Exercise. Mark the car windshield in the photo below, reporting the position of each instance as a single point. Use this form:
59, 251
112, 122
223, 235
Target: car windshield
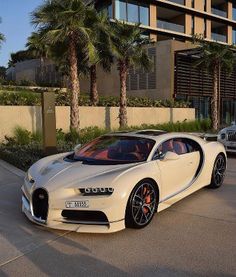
115, 149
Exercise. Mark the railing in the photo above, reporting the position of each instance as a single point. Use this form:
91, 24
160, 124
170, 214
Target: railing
181, 2
218, 37
170, 26
218, 12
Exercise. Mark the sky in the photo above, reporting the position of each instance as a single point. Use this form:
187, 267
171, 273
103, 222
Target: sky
16, 27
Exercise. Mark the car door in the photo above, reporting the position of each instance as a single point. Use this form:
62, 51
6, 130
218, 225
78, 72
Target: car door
179, 170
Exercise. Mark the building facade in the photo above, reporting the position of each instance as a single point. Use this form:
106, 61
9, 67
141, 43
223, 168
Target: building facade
171, 24
179, 19
36, 71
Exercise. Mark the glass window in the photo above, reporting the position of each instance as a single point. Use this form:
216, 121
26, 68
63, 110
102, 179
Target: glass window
234, 11
234, 36
205, 5
144, 15
105, 7
133, 12
121, 13
205, 27
192, 3
180, 146
115, 149
109, 11
192, 25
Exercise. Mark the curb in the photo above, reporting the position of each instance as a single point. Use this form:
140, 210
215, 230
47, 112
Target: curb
20, 173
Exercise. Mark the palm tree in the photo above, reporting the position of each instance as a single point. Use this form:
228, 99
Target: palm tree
103, 52
128, 49
38, 48
2, 37
215, 57
64, 21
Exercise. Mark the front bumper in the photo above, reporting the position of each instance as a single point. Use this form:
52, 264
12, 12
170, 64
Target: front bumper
56, 221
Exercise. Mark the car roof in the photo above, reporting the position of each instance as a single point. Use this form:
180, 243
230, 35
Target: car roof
158, 135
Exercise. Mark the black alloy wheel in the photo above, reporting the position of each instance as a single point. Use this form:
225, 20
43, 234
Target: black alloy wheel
142, 205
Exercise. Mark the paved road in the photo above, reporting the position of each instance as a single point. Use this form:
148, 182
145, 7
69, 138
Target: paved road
195, 237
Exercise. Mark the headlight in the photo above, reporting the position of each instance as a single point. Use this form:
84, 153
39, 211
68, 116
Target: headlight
96, 191
222, 136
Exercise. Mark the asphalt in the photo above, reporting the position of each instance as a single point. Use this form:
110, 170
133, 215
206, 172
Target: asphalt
194, 237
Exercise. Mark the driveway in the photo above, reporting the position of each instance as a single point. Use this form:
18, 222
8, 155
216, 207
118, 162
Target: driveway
195, 237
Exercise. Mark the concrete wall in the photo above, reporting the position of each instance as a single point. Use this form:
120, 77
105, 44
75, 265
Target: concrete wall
30, 117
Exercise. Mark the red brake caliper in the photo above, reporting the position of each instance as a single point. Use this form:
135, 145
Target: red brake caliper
147, 199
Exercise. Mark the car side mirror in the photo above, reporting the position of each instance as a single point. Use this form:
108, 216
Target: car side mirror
77, 147
170, 156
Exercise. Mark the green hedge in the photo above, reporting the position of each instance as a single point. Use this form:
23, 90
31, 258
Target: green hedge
30, 98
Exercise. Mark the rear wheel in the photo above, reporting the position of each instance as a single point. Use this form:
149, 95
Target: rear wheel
218, 172
142, 205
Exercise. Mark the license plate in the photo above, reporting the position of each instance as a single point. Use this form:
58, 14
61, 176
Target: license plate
77, 204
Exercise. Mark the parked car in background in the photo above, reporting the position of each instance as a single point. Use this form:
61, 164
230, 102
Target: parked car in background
227, 136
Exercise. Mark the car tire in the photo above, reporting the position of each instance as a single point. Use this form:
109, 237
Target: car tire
218, 172
142, 205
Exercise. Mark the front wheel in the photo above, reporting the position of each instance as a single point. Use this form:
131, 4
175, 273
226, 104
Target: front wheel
218, 172
141, 205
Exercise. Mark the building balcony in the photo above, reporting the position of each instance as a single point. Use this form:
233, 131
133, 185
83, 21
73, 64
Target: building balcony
219, 12
218, 37
170, 26
181, 2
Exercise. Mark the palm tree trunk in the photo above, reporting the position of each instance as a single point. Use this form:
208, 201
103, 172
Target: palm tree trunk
93, 85
214, 100
75, 86
123, 97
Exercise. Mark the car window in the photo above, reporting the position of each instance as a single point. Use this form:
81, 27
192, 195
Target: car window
179, 146
192, 145
118, 149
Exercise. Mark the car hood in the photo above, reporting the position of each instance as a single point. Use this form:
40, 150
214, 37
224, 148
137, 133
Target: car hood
59, 173
229, 128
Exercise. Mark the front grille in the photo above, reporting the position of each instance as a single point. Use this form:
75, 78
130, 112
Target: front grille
231, 135
85, 216
231, 147
40, 203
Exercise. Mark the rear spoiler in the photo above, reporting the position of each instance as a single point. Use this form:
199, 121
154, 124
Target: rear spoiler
205, 136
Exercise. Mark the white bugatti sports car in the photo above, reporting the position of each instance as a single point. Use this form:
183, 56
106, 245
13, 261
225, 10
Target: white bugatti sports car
120, 180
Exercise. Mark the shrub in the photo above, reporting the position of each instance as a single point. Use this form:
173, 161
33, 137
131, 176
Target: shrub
22, 136
20, 96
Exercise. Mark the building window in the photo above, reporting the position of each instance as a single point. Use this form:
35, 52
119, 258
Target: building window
192, 4
192, 25
205, 28
121, 12
132, 11
205, 5
105, 7
234, 36
234, 11
144, 15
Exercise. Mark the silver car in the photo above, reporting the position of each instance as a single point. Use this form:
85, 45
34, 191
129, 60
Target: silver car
227, 136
